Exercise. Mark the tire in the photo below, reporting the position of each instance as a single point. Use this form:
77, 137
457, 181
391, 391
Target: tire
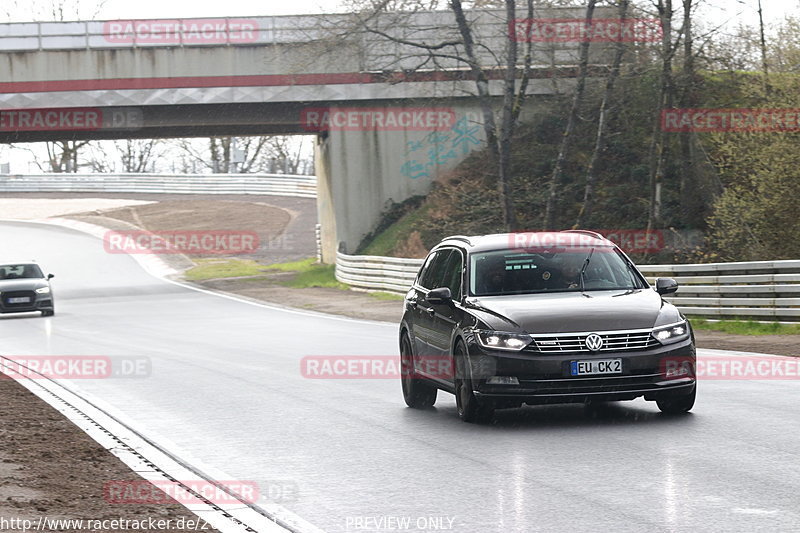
416, 392
677, 406
48, 312
470, 408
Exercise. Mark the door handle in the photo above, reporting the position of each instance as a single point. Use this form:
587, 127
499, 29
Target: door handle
431, 311
412, 304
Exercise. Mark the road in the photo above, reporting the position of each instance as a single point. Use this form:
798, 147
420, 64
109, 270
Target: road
226, 389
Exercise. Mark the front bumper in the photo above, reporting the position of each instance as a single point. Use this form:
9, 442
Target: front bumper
37, 302
546, 378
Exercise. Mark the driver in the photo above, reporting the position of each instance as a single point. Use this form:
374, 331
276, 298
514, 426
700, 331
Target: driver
571, 270
494, 275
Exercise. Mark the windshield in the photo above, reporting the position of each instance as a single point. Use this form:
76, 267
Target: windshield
20, 271
513, 272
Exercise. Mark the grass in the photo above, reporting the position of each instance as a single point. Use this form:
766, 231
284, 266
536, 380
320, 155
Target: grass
293, 266
380, 295
308, 273
385, 242
750, 327
315, 275
223, 268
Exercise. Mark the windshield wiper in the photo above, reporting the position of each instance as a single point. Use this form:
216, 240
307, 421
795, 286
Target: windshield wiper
586, 264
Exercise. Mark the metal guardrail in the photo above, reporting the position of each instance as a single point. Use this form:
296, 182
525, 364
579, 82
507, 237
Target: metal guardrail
758, 290
754, 290
371, 272
269, 184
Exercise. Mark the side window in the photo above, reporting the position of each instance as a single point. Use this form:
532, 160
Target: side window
453, 271
433, 273
426, 268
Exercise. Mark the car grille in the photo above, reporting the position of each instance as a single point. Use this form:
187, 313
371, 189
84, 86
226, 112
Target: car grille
617, 341
6, 296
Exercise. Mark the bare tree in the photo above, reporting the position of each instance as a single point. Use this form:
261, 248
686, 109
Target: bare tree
763, 44
572, 119
18, 10
659, 148
62, 155
274, 154
460, 45
602, 124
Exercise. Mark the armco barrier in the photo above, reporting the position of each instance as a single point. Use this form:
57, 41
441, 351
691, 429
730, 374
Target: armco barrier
762, 290
371, 272
271, 184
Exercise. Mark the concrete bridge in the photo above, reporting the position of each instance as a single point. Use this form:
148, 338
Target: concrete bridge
388, 122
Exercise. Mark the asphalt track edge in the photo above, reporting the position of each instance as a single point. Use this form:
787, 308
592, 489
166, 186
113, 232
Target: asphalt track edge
158, 461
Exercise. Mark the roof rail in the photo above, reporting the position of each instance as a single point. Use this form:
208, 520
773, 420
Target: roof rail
584, 232
457, 238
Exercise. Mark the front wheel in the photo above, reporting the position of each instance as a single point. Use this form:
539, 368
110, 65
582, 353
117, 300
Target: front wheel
48, 312
416, 392
470, 408
679, 405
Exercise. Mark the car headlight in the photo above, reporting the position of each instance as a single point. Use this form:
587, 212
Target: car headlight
672, 333
43, 290
499, 340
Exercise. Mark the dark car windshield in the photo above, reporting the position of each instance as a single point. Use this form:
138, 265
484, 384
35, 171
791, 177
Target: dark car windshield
20, 271
517, 272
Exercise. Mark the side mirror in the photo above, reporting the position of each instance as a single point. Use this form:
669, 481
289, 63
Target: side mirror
666, 286
51, 276
439, 296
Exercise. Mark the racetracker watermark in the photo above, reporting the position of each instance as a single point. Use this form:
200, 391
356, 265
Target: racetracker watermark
577, 30
319, 119
180, 242
629, 240
373, 367
730, 120
175, 31
96, 525
74, 367
723, 367
399, 523
635, 241
142, 491
71, 119
533, 241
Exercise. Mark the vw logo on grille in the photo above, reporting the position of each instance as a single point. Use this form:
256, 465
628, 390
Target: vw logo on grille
594, 342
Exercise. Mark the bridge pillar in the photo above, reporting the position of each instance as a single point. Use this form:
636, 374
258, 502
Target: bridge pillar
360, 171
326, 213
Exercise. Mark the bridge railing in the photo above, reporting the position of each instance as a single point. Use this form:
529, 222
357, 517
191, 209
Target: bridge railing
762, 290
151, 33
270, 184
376, 51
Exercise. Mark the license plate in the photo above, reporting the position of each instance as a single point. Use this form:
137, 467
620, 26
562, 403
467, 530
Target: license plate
20, 300
597, 366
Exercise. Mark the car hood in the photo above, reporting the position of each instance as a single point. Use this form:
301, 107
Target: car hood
572, 312
24, 284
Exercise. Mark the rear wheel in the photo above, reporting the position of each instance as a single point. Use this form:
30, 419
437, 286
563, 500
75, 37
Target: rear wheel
416, 392
470, 408
679, 405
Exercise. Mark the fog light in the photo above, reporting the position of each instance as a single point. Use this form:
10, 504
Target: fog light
502, 380
678, 370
